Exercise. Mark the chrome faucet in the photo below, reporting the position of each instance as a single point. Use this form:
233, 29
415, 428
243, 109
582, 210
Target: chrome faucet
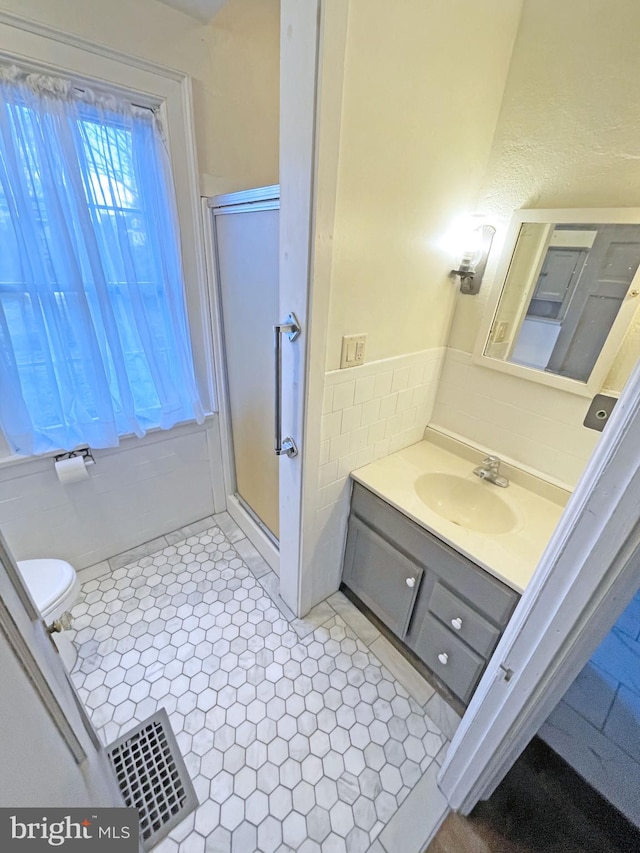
490, 471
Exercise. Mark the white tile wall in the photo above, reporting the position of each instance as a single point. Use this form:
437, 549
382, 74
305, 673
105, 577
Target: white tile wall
368, 412
371, 411
531, 424
134, 493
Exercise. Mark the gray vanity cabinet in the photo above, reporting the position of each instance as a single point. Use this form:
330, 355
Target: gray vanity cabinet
446, 609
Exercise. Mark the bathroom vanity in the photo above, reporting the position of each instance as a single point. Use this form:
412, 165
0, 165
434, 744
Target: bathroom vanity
440, 557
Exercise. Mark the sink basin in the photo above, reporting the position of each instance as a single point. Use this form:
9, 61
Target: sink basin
467, 502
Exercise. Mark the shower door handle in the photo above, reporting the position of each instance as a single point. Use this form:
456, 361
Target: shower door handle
290, 328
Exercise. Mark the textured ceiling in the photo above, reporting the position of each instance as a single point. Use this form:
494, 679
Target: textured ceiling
203, 10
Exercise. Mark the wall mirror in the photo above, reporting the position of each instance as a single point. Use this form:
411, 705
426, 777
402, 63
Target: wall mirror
565, 292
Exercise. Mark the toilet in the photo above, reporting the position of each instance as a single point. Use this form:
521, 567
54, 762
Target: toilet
55, 588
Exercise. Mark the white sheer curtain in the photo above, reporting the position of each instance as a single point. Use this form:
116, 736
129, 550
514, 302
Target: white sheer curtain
94, 341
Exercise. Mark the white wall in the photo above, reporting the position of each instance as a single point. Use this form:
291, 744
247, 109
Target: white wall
134, 493
401, 157
239, 100
566, 137
418, 119
523, 422
146, 488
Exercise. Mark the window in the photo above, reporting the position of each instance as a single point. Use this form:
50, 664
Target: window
94, 339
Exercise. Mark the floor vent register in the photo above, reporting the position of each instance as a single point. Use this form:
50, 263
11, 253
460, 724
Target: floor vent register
153, 777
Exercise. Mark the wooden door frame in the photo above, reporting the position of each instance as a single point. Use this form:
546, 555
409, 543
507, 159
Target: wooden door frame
298, 76
313, 45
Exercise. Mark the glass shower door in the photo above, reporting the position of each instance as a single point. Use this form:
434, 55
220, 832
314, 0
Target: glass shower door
246, 242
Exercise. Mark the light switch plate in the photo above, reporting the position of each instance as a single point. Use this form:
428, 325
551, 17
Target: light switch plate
501, 332
353, 350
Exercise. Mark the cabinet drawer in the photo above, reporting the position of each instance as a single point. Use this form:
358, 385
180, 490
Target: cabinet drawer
385, 580
463, 620
489, 595
449, 658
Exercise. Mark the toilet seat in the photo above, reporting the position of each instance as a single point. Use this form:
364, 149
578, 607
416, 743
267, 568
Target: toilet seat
53, 584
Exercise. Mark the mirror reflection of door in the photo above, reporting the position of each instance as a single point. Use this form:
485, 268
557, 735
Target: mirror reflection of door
542, 324
608, 271
560, 271
577, 297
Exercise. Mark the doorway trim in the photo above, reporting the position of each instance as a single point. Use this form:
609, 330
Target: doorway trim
16, 641
313, 47
588, 573
300, 57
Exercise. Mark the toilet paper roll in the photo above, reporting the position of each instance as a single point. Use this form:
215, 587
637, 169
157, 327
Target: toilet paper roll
72, 470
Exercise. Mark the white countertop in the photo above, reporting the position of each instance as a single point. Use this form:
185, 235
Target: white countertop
513, 556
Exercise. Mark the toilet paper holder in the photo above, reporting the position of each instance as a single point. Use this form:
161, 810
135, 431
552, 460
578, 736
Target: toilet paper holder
84, 452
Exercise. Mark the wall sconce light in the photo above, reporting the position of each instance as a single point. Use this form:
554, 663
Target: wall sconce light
474, 258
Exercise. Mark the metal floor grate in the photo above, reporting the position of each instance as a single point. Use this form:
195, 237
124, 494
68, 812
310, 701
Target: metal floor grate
153, 777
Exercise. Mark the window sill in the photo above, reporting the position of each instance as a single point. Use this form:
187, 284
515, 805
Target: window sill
127, 442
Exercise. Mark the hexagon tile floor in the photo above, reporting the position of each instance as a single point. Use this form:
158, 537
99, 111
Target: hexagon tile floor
296, 737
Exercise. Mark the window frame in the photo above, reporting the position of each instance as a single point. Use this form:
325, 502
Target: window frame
150, 85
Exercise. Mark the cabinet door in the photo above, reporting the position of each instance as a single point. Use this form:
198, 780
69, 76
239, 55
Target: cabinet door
385, 580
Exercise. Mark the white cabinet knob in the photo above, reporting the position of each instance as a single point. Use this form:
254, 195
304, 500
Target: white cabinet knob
457, 623
443, 657
410, 582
